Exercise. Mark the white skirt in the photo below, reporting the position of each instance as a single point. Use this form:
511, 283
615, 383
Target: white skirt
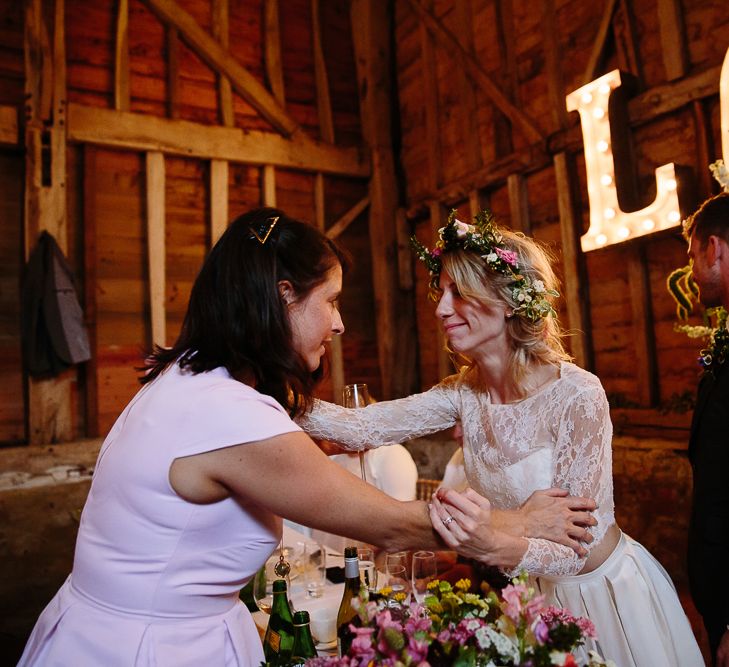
632, 602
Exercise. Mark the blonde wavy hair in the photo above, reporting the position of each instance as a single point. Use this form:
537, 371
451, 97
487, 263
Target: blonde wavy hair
531, 342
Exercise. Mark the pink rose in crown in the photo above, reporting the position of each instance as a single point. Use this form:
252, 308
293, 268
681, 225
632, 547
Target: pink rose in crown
509, 256
462, 229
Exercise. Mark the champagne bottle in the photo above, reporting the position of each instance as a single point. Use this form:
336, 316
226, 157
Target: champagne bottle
278, 641
303, 641
351, 590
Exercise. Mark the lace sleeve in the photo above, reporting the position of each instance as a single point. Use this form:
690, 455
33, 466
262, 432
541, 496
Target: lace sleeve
385, 422
583, 465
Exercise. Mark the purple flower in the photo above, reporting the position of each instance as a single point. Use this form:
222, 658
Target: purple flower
509, 256
541, 631
417, 649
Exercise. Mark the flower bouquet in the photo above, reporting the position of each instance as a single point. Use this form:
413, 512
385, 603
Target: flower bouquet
455, 627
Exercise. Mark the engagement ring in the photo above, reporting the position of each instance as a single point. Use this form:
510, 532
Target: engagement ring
447, 520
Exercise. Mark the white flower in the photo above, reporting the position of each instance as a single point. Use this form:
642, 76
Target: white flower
539, 287
491, 257
520, 296
482, 637
462, 229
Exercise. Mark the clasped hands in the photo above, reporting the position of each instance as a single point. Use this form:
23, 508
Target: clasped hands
467, 523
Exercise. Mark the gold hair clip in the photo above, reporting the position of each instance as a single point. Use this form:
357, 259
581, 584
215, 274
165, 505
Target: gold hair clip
264, 229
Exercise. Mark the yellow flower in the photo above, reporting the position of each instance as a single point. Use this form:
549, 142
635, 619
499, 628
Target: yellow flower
399, 597
463, 584
385, 591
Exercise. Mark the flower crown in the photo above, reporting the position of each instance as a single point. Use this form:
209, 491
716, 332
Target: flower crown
484, 239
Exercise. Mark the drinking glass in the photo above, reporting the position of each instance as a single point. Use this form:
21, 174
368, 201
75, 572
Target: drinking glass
357, 396
397, 559
315, 569
367, 569
397, 579
263, 585
424, 571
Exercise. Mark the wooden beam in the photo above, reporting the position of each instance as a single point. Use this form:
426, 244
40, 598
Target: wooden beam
453, 46
626, 40
553, 57
48, 401
519, 203
477, 202
598, 46
348, 218
9, 133
642, 322
131, 131
268, 185
506, 41
224, 63
218, 199
704, 148
323, 103
431, 106
90, 369
121, 57
221, 33
575, 276
394, 313
156, 255
467, 106
172, 38
272, 50
673, 39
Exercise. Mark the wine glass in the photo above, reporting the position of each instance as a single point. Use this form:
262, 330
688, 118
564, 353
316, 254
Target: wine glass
357, 396
315, 572
367, 569
424, 571
263, 585
397, 580
395, 560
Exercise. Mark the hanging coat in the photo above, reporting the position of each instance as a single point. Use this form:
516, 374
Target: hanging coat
52, 324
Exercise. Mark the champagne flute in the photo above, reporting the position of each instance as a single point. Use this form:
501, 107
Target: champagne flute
424, 571
357, 396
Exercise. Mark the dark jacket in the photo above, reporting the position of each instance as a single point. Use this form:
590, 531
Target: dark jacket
52, 324
708, 556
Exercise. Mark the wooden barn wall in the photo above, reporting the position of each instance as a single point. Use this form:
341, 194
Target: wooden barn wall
458, 150
106, 231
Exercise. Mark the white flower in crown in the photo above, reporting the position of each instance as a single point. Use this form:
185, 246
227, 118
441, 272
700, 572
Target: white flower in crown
720, 172
538, 287
491, 257
462, 229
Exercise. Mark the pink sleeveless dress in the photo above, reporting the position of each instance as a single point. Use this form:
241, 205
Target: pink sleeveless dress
155, 578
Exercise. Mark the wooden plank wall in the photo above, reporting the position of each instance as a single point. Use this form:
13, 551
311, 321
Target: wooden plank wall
534, 54
142, 210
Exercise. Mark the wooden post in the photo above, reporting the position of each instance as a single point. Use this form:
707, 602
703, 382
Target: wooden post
673, 39
394, 312
643, 333
553, 57
269, 185
221, 33
48, 400
156, 259
575, 276
431, 104
172, 39
506, 40
218, 199
121, 58
519, 203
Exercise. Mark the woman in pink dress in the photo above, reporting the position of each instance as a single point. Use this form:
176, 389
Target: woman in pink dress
194, 475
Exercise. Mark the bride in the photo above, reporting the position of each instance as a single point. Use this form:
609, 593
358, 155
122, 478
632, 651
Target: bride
531, 419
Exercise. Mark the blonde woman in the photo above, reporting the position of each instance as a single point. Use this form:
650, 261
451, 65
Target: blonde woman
531, 420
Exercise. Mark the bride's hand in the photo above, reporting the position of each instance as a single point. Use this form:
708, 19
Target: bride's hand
463, 520
553, 515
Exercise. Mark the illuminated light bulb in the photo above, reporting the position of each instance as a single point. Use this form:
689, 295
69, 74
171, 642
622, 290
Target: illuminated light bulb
609, 213
598, 112
604, 89
606, 180
600, 239
602, 146
671, 184
648, 224
623, 232
674, 216
586, 98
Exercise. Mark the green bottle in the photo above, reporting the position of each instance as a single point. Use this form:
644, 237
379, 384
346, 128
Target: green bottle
346, 612
303, 641
279, 638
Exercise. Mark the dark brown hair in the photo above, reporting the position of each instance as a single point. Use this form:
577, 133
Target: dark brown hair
236, 317
712, 219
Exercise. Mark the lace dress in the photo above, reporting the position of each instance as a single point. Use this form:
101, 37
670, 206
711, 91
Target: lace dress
559, 436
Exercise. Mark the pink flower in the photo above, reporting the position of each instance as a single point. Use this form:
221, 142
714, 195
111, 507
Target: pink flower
513, 595
436, 252
462, 229
417, 649
509, 256
541, 631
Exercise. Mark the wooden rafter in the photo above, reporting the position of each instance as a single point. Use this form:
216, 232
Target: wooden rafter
121, 57
673, 39
479, 75
221, 33
432, 106
323, 103
106, 127
600, 42
172, 39
348, 218
223, 62
272, 49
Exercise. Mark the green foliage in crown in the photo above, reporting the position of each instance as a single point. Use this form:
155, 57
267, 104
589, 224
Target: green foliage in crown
483, 238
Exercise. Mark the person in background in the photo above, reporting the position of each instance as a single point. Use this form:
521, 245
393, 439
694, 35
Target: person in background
707, 233
192, 480
531, 420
